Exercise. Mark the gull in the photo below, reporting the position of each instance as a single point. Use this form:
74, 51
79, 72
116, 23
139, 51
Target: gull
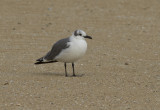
67, 50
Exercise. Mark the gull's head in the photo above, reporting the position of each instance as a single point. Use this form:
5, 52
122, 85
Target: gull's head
81, 34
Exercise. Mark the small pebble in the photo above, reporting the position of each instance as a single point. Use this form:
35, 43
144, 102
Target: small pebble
48, 24
18, 104
6, 83
49, 9
126, 63
11, 103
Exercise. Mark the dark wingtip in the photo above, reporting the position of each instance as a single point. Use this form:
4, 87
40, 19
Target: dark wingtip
38, 63
44, 62
40, 59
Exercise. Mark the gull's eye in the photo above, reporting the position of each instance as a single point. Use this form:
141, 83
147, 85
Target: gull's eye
80, 34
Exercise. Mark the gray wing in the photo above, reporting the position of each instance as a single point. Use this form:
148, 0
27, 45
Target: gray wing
56, 49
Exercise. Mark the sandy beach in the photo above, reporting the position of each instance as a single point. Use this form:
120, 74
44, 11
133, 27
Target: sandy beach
120, 71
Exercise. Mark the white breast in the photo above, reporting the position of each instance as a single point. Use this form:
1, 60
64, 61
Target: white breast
77, 48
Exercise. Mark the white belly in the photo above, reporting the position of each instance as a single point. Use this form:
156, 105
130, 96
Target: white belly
75, 51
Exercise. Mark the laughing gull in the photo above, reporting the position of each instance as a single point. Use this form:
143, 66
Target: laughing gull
67, 50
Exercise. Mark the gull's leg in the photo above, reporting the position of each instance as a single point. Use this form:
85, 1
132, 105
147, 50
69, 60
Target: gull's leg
73, 69
65, 69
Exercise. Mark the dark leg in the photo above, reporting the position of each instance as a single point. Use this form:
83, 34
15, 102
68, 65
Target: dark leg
65, 69
73, 69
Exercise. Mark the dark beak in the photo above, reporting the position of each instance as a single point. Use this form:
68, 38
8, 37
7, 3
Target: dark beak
89, 37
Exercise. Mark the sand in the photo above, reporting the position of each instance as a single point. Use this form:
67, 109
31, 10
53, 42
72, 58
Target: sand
120, 71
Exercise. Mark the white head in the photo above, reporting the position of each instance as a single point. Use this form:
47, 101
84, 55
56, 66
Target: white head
81, 34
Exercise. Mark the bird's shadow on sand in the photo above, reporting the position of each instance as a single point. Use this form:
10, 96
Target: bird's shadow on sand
57, 74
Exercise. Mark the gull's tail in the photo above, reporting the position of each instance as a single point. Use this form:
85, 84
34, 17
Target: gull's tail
41, 61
